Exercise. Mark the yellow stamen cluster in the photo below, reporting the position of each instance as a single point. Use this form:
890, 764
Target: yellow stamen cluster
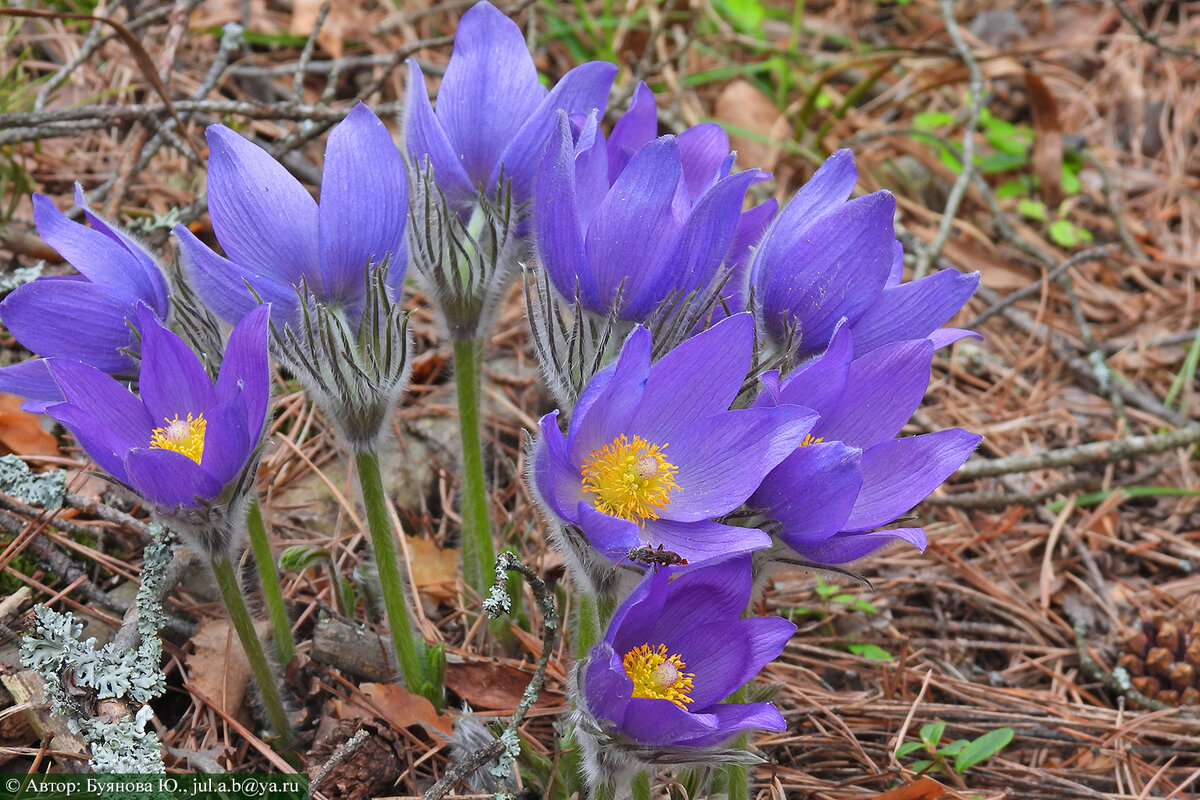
658, 675
631, 480
184, 436
808, 439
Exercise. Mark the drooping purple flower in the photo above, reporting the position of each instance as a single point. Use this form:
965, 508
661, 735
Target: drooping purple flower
826, 258
639, 218
493, 114
186, 443
275, 235
852, 474
116, 273
652, 689
653, 455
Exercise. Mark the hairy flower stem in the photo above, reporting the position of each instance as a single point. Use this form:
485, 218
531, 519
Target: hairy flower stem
478, 551
281, 626
738, 775
410, 651
587, 624
264, 677
641, 786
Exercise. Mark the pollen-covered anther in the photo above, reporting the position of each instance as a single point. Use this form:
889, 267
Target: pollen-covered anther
630, 480
808, 439
185, 436
658, 674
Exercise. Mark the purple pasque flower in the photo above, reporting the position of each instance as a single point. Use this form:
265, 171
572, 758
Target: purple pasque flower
116, 274
276, 237
852, 474
493, 114
826, 258
653, 455
675, 648
625, 229
185, 444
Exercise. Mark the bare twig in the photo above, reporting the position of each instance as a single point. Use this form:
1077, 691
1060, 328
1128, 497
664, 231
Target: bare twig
1152, 38
345, 748
926, 256
495, 605
1013, 298
1091, 453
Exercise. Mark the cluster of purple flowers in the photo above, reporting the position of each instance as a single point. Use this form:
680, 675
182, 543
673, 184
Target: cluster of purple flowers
693, 466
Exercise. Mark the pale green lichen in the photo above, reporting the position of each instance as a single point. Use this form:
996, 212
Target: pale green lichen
53, 648
46, 490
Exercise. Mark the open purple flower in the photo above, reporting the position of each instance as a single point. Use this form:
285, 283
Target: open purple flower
185, 442
653, 454
652, 689
637, 217
116, 274
826, 258
493, 114
275, 236
852, 475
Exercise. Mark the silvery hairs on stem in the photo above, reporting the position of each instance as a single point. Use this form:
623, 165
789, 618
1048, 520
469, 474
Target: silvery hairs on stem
572, 344
464, 265
354, 377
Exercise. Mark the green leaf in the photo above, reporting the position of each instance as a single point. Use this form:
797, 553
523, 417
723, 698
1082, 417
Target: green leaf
1070, 180
745, 14
871, 652
1034, 209
865, 606
928, 120
931, 734
1064, 233
953, 748
301, 556
922, 765
1001, 162
982, 748
1013, 188
907, 748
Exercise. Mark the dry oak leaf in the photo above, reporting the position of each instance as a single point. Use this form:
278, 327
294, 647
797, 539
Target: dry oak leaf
398, 706
21, 432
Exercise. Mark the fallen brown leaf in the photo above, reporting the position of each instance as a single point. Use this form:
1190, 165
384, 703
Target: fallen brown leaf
217, 665
21, 432
492, 686
925, 788
742, 105
434, 570
398, 706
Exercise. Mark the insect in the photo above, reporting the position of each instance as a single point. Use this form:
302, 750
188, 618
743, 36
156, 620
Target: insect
653, 556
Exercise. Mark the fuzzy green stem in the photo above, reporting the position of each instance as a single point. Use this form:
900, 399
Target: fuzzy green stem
478, 552
409, 649
264, 677
281, 625
605, 790
641, 786
738, 775
587, 624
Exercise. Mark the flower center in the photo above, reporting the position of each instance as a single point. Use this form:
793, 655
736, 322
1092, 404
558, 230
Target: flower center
631, 480
808, 439
181, 435
657, 675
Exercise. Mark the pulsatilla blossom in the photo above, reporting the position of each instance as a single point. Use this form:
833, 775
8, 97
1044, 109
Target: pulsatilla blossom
826, 258
653, 455
185, 443
276, 237
116, 273
626, 228
852, 474
493, 114
651, 691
